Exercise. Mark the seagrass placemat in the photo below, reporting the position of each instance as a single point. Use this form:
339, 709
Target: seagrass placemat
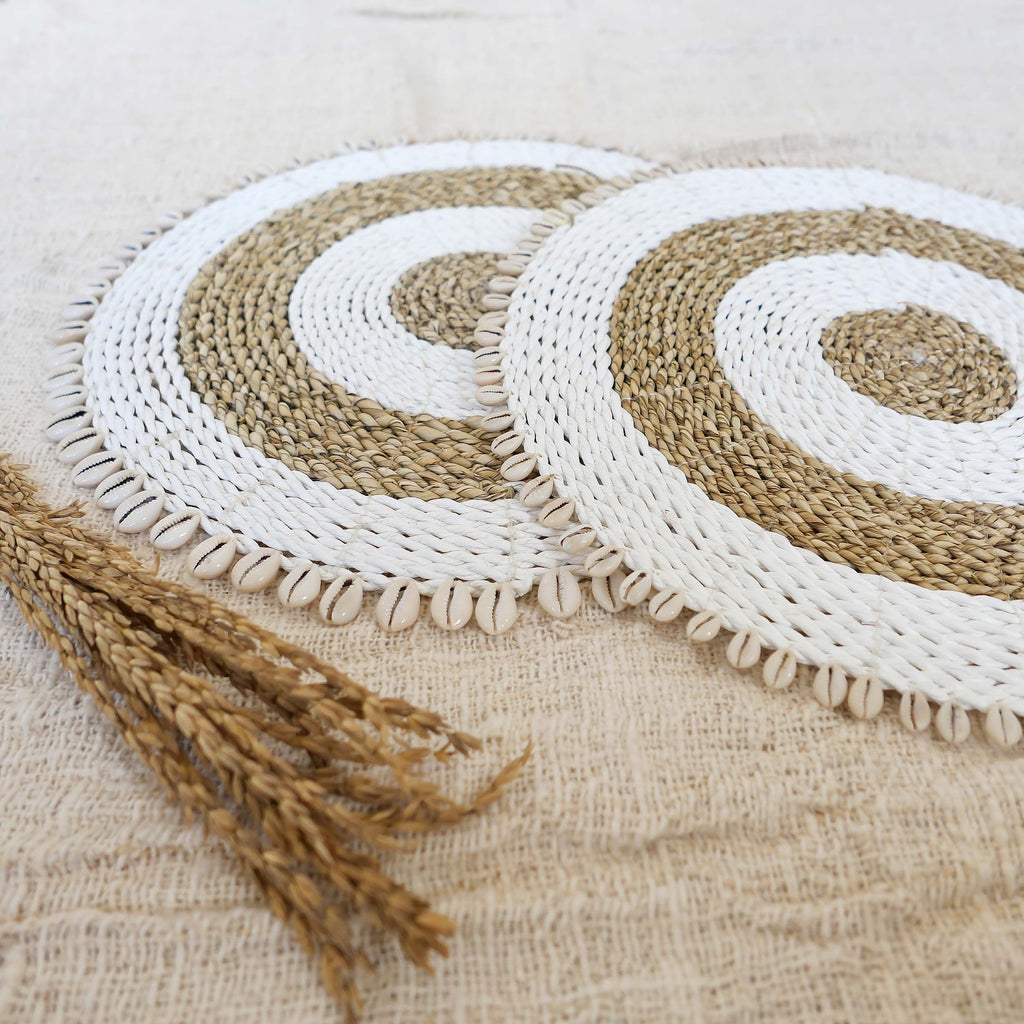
784, 401
286, 369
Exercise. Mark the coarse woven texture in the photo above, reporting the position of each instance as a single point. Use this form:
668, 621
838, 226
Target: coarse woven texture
250, 363
685, 846
665, 358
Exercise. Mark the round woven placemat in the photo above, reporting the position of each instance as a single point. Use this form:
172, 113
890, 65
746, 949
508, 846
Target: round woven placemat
289, 368
787, 400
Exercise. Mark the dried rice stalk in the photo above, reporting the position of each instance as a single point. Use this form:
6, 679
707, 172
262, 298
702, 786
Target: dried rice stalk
294, 788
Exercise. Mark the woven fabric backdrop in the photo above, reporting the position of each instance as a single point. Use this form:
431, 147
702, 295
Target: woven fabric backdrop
685, 846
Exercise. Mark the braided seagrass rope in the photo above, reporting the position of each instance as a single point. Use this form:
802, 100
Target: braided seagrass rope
671, 382
920, 362
251, 373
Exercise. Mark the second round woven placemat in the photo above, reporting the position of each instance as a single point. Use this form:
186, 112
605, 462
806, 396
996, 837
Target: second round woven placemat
787, 401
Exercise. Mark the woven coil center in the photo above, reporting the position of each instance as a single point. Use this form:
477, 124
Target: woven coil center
439, 300
921, 362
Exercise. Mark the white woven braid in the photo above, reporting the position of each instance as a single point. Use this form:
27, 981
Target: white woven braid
948, 645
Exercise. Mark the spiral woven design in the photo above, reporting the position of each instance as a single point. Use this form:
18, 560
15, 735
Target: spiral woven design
675, 357
256, 361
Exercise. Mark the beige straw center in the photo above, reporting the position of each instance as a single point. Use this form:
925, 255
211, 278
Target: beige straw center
670, 381
439, 300
921, 362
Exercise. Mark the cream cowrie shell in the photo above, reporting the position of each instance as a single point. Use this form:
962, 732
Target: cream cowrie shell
139, 512
744, 650
830, 686
342, 600
213, 557
399, 606
915, 712
703, 627
176, 530
779, 670
952, 723
865, 698
496, 608
300, 587
606, 591
451, 607
666, 605
256, 570
95, 468
558, 593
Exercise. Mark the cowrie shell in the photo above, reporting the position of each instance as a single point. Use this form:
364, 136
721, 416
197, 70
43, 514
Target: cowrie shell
556, 513
176, 530
519, 467
578, 540
779, 669
952, 723
399, 606
703, 627
1002, 726
451, 607
67, 397
744, 650
61, 376
504, 285
342, 600
76, 446
256, 570
71, 353
496, 608
139, 512
95, 468
666, 605
484, 376
76, 330
915, 712
865, 698
488, 335
558, 593
606, 591
497, 422
830, 686
117, 487
67, 422
81, 309
490, 356
492, 394
635, 588
300, 587
507, 444
604, 561
212, 557
537, 492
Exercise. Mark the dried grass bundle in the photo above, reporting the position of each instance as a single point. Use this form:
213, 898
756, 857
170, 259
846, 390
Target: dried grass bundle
303, 779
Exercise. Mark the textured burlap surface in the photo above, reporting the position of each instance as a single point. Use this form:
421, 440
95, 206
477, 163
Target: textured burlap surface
685, 846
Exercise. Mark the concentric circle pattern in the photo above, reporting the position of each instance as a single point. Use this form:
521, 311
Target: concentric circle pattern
788, 397
293, 362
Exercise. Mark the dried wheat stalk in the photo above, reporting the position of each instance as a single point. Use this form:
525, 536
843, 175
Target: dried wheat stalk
294, 786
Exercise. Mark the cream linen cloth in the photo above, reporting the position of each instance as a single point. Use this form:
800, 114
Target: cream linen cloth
685, 846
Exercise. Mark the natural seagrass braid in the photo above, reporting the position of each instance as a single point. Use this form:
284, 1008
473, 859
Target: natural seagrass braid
223, 375
284, 783
664, 371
